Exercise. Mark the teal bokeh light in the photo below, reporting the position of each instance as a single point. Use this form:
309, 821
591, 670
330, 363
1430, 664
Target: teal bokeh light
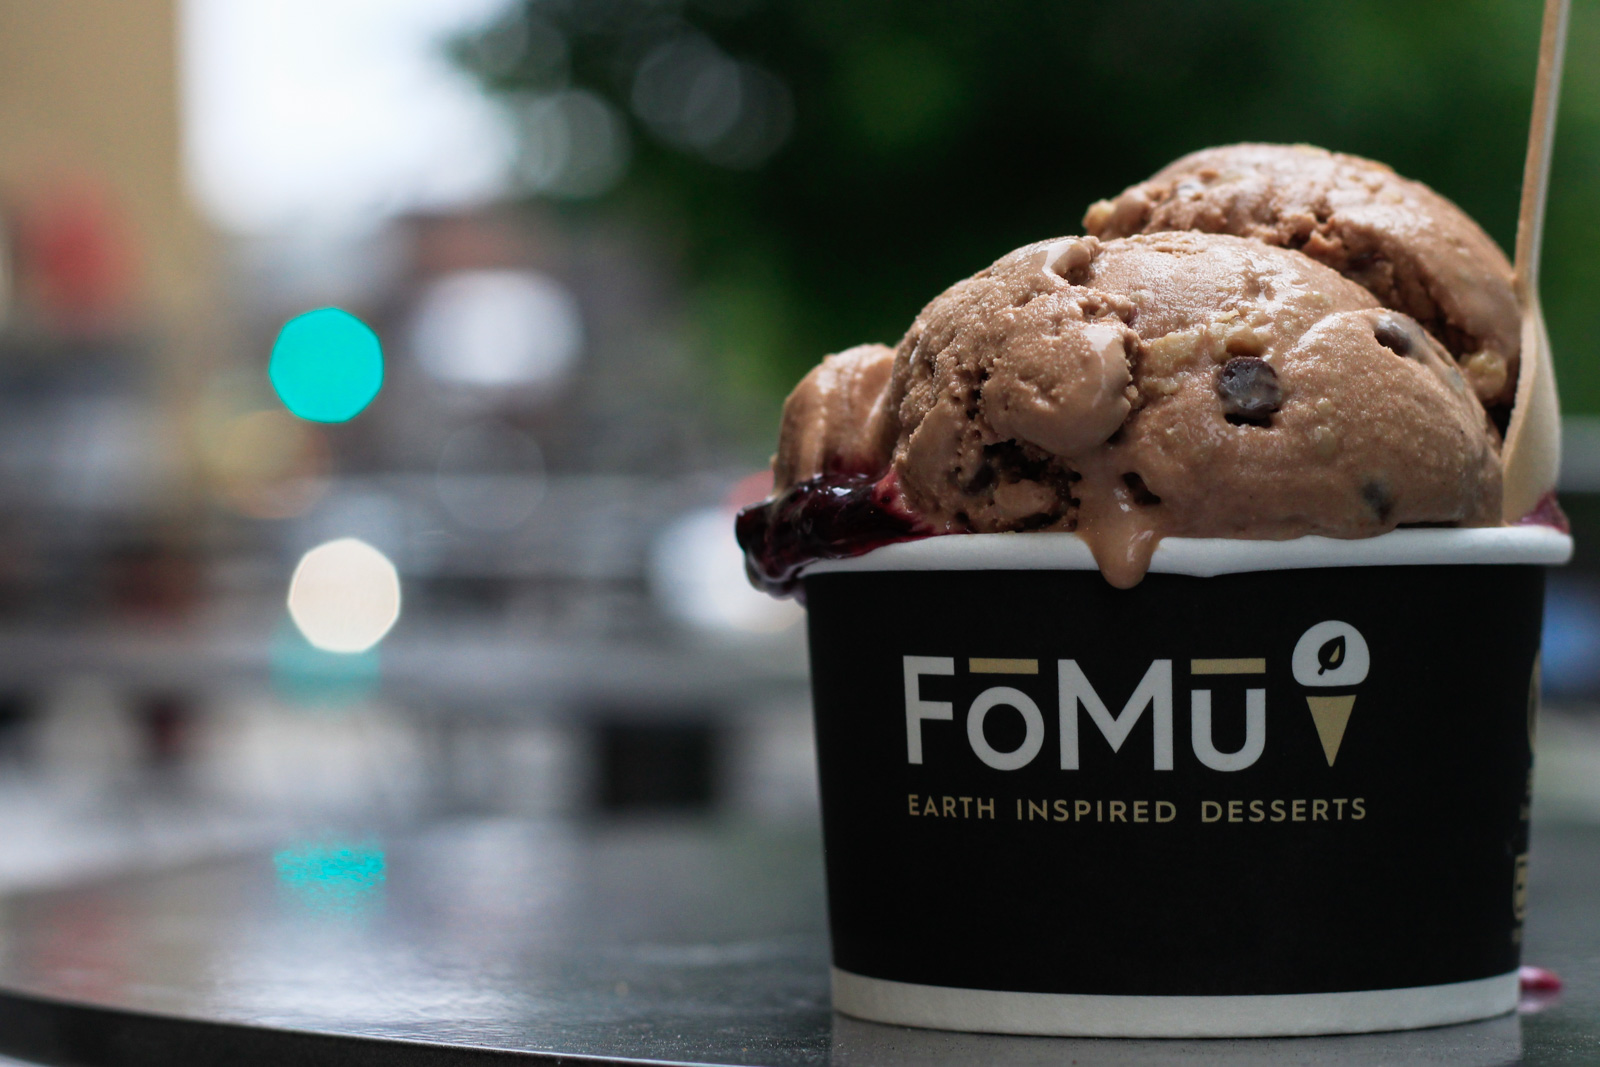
327, 365
333, 876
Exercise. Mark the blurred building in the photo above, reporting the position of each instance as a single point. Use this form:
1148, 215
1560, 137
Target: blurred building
90, 142
110, 307
541, 467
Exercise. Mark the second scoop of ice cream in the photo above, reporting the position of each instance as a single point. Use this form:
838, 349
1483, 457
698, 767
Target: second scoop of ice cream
1407, 245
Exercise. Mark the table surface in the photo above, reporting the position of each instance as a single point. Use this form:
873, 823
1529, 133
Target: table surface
494, 942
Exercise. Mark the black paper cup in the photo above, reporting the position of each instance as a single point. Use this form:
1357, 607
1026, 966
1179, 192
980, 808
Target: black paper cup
1277, 788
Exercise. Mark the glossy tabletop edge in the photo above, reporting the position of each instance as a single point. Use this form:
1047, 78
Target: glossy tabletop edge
49, 1031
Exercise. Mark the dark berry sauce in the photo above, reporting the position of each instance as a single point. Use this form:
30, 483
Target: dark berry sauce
831, 516
1547, 512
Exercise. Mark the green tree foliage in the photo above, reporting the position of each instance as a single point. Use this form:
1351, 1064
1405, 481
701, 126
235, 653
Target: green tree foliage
919, 141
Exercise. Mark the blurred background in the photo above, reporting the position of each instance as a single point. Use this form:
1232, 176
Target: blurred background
599, 240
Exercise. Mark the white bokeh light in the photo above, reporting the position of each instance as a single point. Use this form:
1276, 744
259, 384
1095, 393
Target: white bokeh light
695, 96
697, 575
497, 328
344, 596
573, 145
305, 111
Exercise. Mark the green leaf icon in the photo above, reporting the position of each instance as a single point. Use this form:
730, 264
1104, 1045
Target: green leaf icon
1330, 655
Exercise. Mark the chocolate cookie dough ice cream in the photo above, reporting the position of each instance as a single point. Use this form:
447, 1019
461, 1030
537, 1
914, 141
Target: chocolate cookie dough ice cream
1261, 358
1401, 241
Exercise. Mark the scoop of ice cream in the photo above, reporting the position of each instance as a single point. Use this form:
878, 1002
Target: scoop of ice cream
1410, 247
837, 420
1001, 378
1181, 384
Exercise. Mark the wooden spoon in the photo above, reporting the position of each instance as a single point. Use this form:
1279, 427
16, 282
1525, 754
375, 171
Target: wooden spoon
1532, 452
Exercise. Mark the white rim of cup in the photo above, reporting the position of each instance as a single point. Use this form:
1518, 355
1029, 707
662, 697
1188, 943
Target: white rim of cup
1204, 557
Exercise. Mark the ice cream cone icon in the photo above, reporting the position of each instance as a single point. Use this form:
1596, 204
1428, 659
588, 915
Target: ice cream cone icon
1331, 654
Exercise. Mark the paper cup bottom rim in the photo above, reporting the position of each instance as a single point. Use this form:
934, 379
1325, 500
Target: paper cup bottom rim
1097, 1015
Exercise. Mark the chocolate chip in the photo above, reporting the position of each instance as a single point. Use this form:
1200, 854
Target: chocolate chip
1377, 497
1400, 334
1141, 492
1249, 390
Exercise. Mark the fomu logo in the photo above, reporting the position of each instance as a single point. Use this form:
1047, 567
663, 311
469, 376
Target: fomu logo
1328, 654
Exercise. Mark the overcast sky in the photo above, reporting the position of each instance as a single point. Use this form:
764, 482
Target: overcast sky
333, 112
